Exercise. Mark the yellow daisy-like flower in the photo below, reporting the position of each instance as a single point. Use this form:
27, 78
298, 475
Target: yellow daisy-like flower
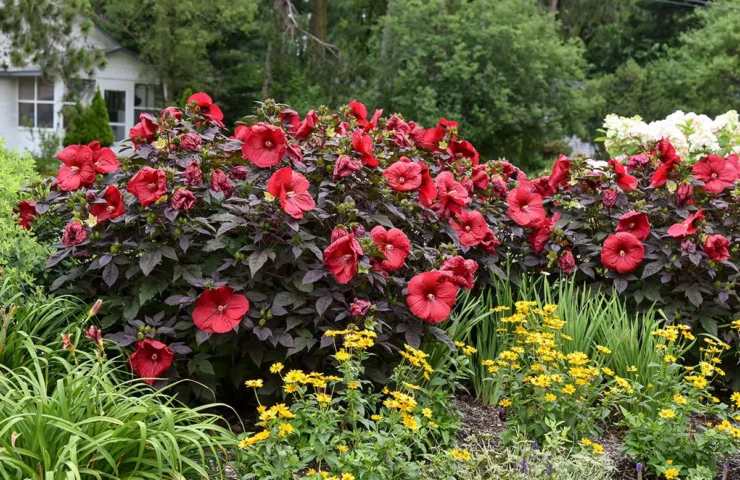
667, 413
253, 383
353, 385
290, 389
295, 376
736, 398
671, 473
550, 397
462, 455
411, 386
256, 438
285, 429
376, 418
343, 448
427, 412
603, 349
598, 449
410, 423
670, 359
276, 367
679, 399
459, 344
323, 399
504, 402
586, 442
632, 368
348, 476
434, 425
468, 350
502, 308
342, 355
566, 337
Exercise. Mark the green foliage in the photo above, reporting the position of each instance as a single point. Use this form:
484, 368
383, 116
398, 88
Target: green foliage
339, 425
21, 257
497, 67
49, 142
90, 124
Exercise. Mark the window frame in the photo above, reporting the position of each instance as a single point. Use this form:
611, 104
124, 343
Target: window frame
35, 102
66, 102
125, 105
138, 110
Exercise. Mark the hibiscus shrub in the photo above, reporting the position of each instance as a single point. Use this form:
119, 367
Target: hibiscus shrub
248, 247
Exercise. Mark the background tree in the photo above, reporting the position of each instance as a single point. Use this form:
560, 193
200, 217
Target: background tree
88, 124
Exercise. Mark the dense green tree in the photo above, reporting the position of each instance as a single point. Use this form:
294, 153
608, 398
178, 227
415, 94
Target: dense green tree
89, 124
498, 67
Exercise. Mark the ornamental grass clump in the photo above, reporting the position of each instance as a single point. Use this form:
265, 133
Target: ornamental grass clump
338, 426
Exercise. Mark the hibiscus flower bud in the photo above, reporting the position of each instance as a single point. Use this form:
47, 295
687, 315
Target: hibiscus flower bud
638, 161
468, 184
90, 197
609, 197
238, 173
359, 231
684, 192
498, 187
490, 242
567, 262
74, 233
182, 199
190, 141
192, 176
359, 308
338, 233
220, 183
345, 166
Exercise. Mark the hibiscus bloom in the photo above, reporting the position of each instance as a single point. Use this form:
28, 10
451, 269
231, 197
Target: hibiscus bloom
26, 212
403, 175
264, 145
542, 186
113, 206
359, 308
525, 207
498, 187
609, 197
290, 118
470, 227
490, 242
625, 181
104, 159
427, 188
340, 258
560, 172
144, 131
151, 359
363, 144
182, 200
622, 252
541, 234
636, 223
683, 195
359, 111
192, 175
734, 160
431, 296
240, 172
207, 108
344, 166
219, 310
292, 190
452, 195
74, 234
430, 138
669, 159
687, 227
221, 183
715, 247
148, 185
77, 169
567, 262
460, 271
717, 173
463, 149
480, 177
305, 127
394, 244
191, 142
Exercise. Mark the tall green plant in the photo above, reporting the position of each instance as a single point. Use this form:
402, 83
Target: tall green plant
90, 124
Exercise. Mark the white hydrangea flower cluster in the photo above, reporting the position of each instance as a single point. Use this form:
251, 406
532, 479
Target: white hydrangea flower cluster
691, 134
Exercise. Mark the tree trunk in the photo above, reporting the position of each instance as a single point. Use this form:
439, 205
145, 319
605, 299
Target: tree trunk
554, 6
280, 11
319, 21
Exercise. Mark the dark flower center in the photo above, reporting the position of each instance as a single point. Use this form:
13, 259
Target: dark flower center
268, 144
154, 356
152, 186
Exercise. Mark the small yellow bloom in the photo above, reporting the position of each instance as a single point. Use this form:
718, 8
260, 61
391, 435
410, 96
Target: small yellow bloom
586, 442
253, 383
671, 473
353, 385
376, 418
679, 399
462, 455
459, 344
410, 423
603, 349
427, 412
343, 448
568, 389
468, 350
667, 413
342, 355
323, 399
348, 476
504, 402
550, 397
285, 429
632, 368
290, 388
411, 386
598, 449
276, 367
670, 359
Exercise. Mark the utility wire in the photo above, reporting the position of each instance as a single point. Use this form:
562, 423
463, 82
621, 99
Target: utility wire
699, 3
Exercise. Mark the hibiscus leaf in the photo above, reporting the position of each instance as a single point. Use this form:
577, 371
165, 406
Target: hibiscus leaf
263, 333
441, 335
312, 276
709, 325
257, 260
651, 269
323, 303
413, 334
620, 284
57, 257
201, 336
150, 260
110, 274
694, 297
285, 298
179, 300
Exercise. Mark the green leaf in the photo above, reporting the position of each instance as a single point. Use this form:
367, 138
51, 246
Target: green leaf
257, 260
150, 260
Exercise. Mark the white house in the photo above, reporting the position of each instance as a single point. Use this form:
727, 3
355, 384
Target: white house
30, 105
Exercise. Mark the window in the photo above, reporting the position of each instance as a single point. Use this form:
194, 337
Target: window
148, 98
115, 102
77, 90
35, 103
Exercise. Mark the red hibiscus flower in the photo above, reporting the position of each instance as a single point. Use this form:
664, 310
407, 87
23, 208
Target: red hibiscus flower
191, 142
431, 296
144, 131
305, 128
470, 227
463, 149
427, 188
542, 186
567, 262
290, 118
636, 223
151, 359
345, 166
687, 227
480, 177
340, 258
609, 197
498, 187
452, 195
192, 175
26, 212
717, 173
148, 185
104, 159
363, 144
560, 172
734, 160
490, 242
207, 107
622, 252
171, 112
264, 145
460, 271
219, 310
359, 111
74, 234
403, 175
394, 244
182, 200
113, 206
433, 136
239, 172
540, 235
360, 308
221, 183
292, 190
77, 169
715, 247
684, 192
667, 152
525, 207
625, 181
